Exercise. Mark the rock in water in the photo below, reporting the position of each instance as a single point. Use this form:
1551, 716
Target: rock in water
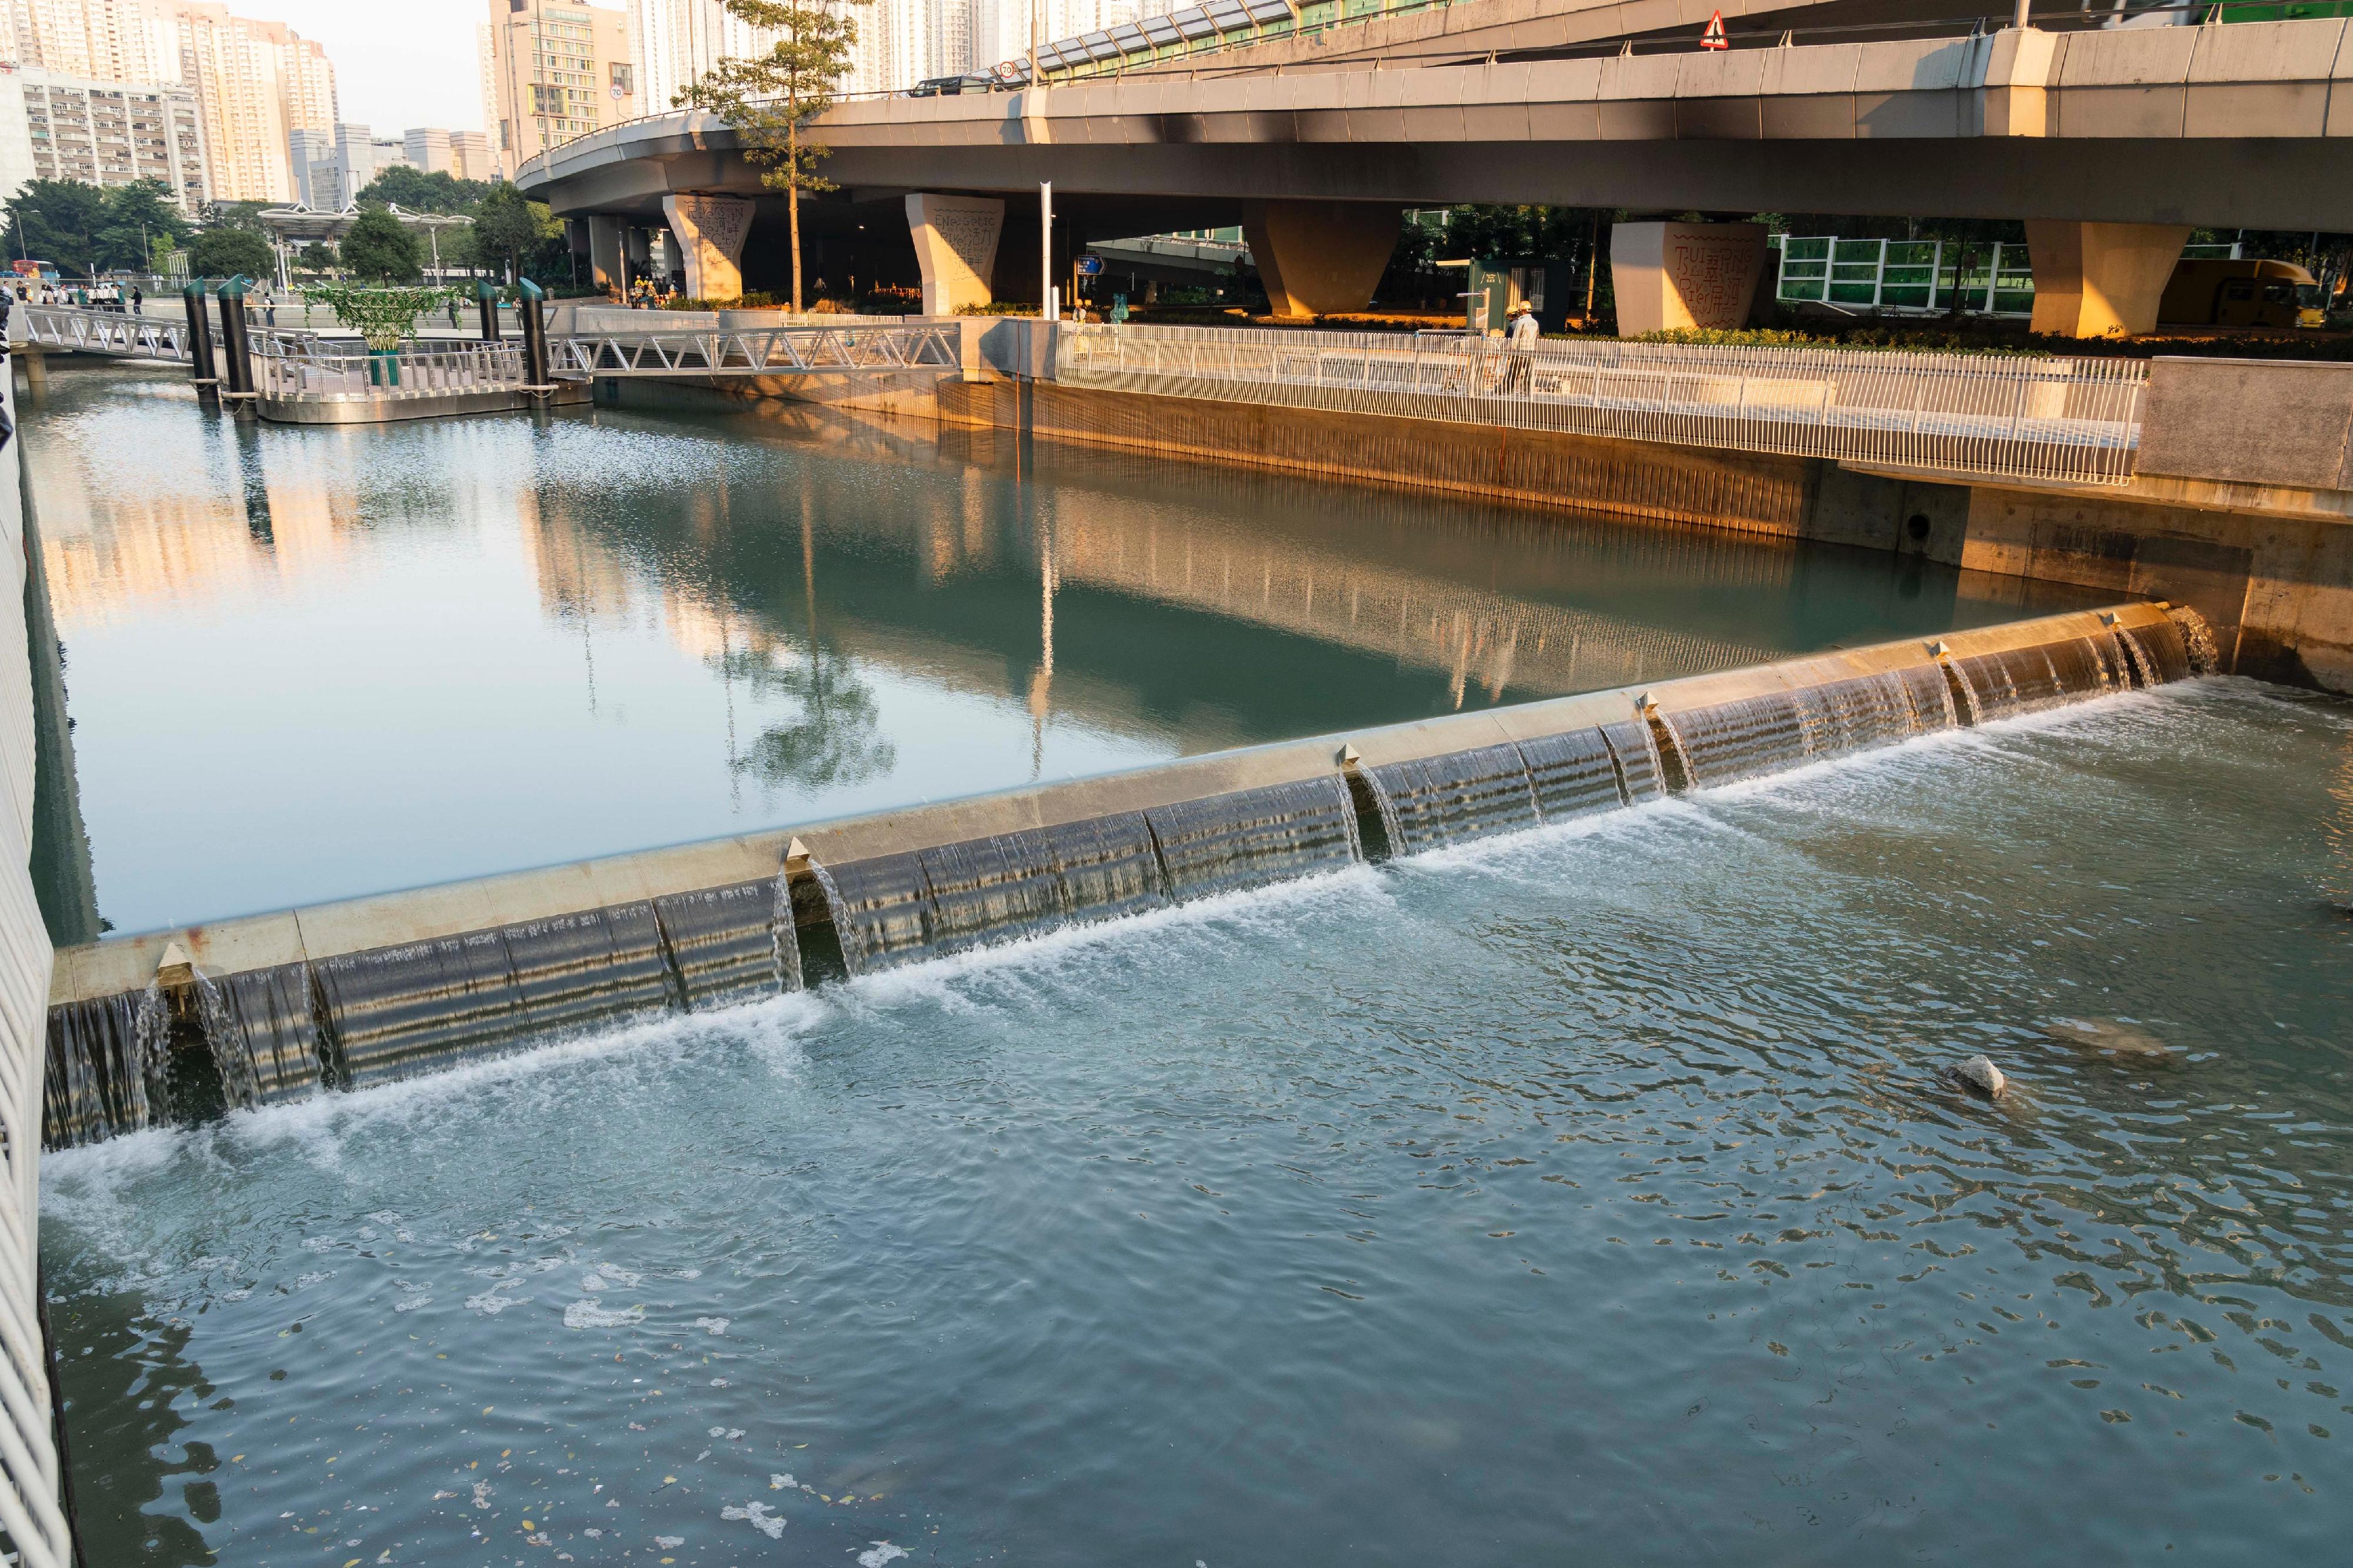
1980, 1075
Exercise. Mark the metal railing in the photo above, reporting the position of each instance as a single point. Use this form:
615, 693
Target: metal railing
287, 366
115, 333
1997, 416
762, 351
31, 1520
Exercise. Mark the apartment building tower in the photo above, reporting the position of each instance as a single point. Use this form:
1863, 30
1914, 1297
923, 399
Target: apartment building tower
554, 69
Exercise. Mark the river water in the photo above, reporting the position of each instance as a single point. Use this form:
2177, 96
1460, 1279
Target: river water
1590, 1195
303, 663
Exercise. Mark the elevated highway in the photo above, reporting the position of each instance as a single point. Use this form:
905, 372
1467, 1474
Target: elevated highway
2162, 128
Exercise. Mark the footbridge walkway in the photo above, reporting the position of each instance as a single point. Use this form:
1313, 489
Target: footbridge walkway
292, 367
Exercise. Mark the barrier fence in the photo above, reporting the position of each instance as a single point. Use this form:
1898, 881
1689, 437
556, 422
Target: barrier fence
758, 350
287, 366
1999, 415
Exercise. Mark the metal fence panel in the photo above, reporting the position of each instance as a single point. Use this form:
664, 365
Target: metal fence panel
1995, 416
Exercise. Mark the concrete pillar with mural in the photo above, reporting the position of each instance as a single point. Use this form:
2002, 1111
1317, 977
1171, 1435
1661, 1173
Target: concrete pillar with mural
710, 232
955, 245
1673, 275
2101, 279
605, 264
1320, 259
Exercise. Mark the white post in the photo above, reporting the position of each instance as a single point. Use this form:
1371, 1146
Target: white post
1046, 301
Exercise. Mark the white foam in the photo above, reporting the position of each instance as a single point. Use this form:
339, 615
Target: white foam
592, 1315
767, 1523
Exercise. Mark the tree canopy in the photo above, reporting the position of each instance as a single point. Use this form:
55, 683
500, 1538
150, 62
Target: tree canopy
379, 249
513, 231
81, 228
227, 252
420, 191
771, 97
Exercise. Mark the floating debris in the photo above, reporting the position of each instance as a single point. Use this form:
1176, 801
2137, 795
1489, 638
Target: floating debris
2110, 1037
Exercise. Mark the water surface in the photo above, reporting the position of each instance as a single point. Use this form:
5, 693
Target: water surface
1593, 1195
311, 663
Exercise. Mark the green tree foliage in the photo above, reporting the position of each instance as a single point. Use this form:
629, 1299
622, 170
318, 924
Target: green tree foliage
419, 192
319, 257
134, 217
770, 99
246, 216
226, 252
57, 221
378, 248
512, 231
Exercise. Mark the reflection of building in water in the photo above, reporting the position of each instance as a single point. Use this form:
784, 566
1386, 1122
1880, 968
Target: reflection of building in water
1477, 636
107, 547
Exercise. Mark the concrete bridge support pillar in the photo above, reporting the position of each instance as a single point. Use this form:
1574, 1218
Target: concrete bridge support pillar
711, 231
605, 268
1669, 276
955, 245
2095, 279
1320, 259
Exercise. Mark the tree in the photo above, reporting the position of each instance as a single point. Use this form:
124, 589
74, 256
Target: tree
246, 216
512, 229
57, 221
319, 257
228, 252
134, 217
420, 191
379, 248
770, 99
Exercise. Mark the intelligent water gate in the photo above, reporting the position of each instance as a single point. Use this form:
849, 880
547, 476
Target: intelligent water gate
175, 1025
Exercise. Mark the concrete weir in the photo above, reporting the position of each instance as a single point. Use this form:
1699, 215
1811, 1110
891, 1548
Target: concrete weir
172, 1026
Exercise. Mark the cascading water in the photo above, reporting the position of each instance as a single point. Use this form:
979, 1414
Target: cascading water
1575, 773
103, 1067
1429, 803
364, 1017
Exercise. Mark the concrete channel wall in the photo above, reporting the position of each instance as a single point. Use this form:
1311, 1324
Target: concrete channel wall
30, 1513
121, 964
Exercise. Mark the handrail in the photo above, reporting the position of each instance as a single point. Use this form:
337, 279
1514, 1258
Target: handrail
2010, 416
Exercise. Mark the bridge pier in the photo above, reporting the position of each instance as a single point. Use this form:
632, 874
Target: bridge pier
1670, 276
711, 231
955, 246
605, 264
1320, 259
2095, 280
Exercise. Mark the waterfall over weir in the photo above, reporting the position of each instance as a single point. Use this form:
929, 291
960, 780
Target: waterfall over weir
171, 1052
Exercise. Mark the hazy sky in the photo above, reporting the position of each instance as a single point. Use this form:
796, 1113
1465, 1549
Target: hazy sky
398, 63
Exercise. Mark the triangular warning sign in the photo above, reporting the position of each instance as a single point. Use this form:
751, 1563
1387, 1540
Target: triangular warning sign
1713, 38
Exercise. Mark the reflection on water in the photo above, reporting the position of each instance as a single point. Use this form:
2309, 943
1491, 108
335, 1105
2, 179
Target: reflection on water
1599, 1185
313, 663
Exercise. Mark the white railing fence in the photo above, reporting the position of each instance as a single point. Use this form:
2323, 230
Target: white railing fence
294, 365
2000, 416
102, 332
756, 350
31, 1519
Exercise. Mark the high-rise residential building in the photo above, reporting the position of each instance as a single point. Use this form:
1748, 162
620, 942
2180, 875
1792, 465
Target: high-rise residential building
253, 82
677, 41
556, 69
106, 133
460, 154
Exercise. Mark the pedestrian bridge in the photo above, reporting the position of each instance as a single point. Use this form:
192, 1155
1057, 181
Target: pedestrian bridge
291, 365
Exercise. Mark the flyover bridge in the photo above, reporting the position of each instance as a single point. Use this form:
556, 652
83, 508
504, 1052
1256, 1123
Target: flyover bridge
2111, 144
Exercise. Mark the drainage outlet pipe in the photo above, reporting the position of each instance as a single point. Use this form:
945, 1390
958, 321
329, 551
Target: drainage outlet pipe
203, 370
236, 341
486, 306
528, 295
